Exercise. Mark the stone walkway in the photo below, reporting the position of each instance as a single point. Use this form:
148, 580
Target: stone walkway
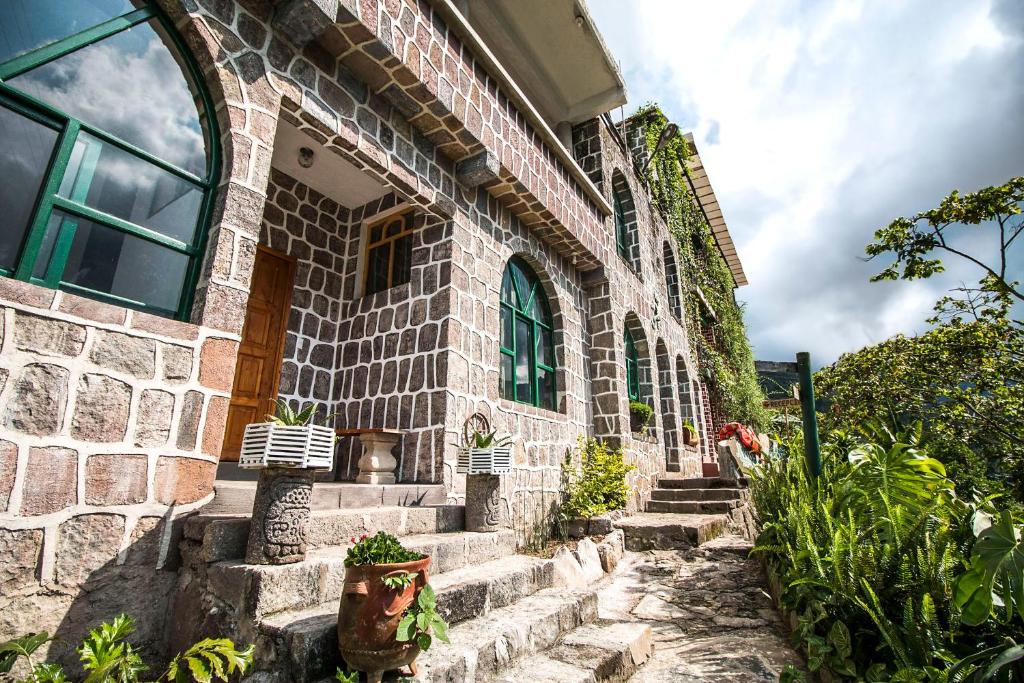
707, 606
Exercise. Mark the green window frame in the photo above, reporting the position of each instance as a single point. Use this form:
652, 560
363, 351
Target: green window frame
524, 308
72, 205
632, 368
621, 229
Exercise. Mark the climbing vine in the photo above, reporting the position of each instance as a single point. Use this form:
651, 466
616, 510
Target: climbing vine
728, 363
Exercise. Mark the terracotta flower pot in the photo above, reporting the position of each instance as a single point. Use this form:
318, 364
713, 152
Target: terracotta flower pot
369, 614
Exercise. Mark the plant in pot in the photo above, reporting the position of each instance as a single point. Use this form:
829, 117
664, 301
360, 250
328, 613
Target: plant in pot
640, 415
287, 449
388, 611
485, 453
690, 436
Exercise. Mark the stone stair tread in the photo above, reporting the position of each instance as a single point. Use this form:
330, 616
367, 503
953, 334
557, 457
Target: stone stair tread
701, 483
692, 506
669, 530
698, 494
591, 653
484, 646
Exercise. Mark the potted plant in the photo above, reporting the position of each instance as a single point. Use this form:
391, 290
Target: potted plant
388, 611
690, 436
485, 453
288, 439
640, 415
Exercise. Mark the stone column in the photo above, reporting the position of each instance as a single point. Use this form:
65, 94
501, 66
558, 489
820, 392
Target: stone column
280, 516
484, 510
377, 465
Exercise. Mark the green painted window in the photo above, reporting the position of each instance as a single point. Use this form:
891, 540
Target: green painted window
632, 368
527, 348
621, 229
106, 152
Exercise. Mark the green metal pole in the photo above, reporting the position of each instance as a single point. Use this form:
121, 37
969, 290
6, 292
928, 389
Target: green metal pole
812, 446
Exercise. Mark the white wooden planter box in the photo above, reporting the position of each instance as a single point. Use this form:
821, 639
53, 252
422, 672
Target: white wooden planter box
266, 444
485, 460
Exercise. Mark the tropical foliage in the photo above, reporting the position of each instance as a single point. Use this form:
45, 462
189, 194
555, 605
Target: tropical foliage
879, 551
108, 657
600, 483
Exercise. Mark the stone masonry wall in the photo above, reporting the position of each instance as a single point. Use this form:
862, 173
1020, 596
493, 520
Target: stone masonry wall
110, 427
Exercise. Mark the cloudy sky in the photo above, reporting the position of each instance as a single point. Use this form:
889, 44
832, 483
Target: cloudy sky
819, 121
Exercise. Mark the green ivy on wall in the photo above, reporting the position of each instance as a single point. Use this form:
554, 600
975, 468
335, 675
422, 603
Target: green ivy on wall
728, 369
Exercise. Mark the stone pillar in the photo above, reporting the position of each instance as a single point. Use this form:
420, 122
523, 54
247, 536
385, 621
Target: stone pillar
280, 516
377, 466
484, 510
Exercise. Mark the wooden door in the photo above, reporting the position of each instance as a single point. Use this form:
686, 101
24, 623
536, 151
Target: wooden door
258, 368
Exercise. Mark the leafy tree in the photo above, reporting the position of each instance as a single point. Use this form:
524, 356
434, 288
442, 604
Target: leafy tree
918, 242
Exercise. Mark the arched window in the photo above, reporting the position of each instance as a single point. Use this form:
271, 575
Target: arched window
621, 230
672, 281
106, 153
527, 349
632, 368
626, 241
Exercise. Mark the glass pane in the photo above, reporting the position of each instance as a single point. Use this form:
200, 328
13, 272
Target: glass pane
402, 270
29, 24
544, 348
508, 386
523, 392
506, 328
395, 226
110, 261
25, 150
111, 180
523, 285
507, 294
375, 233
539, 306
546, 380
377, 269
128, 85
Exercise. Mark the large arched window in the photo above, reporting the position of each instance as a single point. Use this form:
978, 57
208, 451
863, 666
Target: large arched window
527, 348
626, 241
632, 368
106, 153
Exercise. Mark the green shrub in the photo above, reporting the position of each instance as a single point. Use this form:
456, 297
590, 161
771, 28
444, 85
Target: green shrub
600, 484
880, 550
640, 415
381, 548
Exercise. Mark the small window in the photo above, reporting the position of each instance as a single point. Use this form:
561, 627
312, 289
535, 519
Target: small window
632, 368
621, 229
627, 242
388, 253
527, 349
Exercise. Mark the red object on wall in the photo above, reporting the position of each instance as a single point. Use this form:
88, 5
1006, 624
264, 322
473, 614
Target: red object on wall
744, 434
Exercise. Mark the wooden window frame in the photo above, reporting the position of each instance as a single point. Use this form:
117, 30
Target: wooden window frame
69, 128
407, 215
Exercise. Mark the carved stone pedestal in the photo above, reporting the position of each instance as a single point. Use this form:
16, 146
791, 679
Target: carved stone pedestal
377, 465
280, 516
484, 509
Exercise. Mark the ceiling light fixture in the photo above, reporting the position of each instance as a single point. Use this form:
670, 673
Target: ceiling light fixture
305, 157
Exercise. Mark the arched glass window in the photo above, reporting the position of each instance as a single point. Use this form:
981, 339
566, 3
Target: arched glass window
632, 368
527, 349
106, 153
621, 228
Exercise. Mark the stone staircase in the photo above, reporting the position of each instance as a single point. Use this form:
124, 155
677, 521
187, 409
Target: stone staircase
511, 616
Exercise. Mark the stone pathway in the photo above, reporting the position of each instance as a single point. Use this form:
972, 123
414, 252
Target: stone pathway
707, 606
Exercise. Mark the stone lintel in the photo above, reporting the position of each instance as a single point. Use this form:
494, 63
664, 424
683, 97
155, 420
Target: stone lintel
478, 169
303, 21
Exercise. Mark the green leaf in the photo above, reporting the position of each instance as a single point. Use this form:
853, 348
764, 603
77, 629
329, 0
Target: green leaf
997, 570
423, 640
199, 670
427, 600
23, 646
406, 628
422, 621
439, 628
839, 638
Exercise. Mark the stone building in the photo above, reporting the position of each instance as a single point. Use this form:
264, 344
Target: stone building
408, 211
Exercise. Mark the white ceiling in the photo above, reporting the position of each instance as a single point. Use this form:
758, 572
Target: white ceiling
330, 175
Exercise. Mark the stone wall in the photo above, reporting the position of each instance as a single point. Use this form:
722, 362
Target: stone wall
111, 425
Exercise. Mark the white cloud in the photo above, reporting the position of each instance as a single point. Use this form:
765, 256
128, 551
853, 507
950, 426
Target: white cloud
819, 122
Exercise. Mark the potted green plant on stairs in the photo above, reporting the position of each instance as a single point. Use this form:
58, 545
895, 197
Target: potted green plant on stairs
387, 614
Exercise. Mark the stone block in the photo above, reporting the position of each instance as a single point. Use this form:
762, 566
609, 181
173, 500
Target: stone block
567, 570
51, 480
176, 362
153, 425
36, 405
577, 528
86, 544
8, 469
47, 336
611, 550
600, 525
93, 310
164, 326
20, 550
145, 542
101, 409
188, 425
478, 169
217, 364
213, 428
302, 21
278, 531
25, 293
116, 479
183, 480
135, 356
590, 560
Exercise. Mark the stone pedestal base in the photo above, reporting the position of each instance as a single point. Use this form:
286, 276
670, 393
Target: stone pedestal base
280, 516
484, 510
377, 466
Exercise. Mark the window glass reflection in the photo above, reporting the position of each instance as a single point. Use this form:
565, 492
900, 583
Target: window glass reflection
28, 24
25, 150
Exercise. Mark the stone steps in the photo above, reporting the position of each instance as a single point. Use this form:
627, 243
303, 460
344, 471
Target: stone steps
693, 507
259, 591
592, 653
669, 531
702, 483
223, 537
302, 645
236, 497
699, 494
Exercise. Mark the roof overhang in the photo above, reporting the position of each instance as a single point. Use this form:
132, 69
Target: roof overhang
701, 186
555, 54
